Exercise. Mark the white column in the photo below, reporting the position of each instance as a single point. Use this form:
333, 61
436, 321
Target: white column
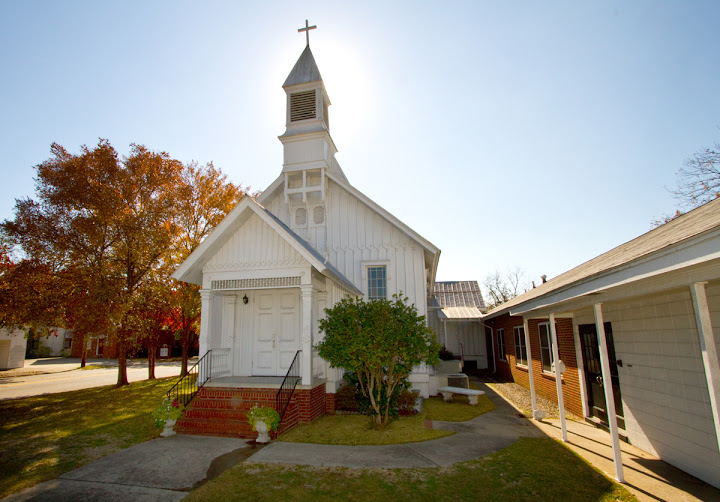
533, 400
321, 306
206, 298
445, 330
609, 395
307, 338
709, 350
558, 377
228, 328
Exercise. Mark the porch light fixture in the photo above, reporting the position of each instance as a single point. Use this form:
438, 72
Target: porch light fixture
245, 299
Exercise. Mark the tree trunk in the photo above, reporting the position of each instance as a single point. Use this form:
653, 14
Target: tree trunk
83, 359
152, 349
122, 362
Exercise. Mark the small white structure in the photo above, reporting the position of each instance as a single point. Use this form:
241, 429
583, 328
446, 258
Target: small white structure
454, 313
274, 264
12, 349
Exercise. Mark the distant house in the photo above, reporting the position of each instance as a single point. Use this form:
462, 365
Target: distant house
57, 344
640, 322
12, 349
454, 312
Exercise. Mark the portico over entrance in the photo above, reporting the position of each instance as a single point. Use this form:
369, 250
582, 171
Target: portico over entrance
258, 332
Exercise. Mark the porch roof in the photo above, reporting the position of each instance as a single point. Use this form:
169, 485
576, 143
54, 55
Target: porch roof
639, 258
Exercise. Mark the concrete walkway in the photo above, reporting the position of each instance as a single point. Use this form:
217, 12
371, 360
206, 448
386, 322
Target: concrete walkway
646, 476
475, 438
161, 470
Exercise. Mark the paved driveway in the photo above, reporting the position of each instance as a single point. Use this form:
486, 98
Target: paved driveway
49, 376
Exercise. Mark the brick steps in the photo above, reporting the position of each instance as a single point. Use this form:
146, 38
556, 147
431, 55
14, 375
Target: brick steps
220, 411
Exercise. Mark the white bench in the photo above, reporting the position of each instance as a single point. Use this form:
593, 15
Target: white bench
472, 394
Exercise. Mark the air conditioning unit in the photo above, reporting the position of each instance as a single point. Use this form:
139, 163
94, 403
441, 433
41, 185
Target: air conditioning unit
454, 380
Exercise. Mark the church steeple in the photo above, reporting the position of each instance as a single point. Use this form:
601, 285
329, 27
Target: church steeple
307, 99
308, 147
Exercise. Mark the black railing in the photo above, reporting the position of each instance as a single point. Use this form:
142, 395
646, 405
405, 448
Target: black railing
188, 385
292, 377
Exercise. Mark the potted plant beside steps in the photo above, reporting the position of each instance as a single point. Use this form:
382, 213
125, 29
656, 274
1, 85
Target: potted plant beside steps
263, 419
166, 415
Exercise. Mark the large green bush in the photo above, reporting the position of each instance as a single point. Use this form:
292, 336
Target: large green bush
380, 341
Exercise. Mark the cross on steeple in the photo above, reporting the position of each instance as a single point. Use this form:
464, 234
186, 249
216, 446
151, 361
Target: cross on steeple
307, 31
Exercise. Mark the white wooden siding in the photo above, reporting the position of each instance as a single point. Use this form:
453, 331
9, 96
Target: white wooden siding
353, 235
254, 245
662, 380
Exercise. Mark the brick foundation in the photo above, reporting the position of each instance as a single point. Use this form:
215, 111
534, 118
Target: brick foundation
220, 411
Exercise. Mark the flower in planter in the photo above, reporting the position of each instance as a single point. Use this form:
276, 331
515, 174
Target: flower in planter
265, 414
169, 409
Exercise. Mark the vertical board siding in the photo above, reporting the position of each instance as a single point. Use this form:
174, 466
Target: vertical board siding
255, 244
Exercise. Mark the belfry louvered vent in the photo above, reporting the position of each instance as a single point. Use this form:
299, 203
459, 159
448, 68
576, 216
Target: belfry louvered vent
302, 106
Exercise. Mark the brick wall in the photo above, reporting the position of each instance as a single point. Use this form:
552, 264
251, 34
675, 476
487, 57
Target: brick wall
544, 382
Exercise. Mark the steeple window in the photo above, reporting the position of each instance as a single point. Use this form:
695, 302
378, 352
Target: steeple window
302, 106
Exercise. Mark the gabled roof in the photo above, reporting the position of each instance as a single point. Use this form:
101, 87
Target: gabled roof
459, 299
304, 71
430, 249
191, 269
459, 294
683, 228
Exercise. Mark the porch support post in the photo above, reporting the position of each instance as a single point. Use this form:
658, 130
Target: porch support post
533, 400
307, 338
609, 396
558, 377
445, 330
709, 350
206, 297
228, 327
321, 297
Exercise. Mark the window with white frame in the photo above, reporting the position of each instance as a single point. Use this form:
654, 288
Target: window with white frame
546, 350
377, 282
520, 352
501, 343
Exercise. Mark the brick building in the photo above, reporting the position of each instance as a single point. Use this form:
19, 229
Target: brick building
638, 326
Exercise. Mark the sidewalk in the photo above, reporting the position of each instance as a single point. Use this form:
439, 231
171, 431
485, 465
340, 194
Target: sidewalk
161, 470
62, 364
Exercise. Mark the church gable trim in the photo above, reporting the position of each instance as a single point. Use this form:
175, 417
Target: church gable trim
191, 270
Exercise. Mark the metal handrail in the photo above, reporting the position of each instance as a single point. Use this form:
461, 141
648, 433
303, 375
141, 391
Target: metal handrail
190, 383
287, 388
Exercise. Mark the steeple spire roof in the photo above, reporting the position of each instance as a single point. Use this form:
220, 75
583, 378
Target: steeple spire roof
304, 71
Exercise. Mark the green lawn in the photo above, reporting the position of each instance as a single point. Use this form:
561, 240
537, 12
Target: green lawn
45, 436
458, 410
355, 429
530, 469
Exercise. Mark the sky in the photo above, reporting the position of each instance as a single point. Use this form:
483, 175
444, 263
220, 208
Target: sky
509, 134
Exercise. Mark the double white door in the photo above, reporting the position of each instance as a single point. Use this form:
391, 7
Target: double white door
276, 331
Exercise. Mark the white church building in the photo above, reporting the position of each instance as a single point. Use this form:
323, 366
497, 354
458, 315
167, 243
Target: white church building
274, 264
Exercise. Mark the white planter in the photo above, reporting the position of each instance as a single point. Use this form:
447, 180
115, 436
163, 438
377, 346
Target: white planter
262, 430
168, 430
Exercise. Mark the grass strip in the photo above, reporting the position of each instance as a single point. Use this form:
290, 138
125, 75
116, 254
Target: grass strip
530, 469
458, 410
43, 437
356, 430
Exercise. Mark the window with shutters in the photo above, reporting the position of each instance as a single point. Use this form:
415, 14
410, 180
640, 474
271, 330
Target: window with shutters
302, 106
